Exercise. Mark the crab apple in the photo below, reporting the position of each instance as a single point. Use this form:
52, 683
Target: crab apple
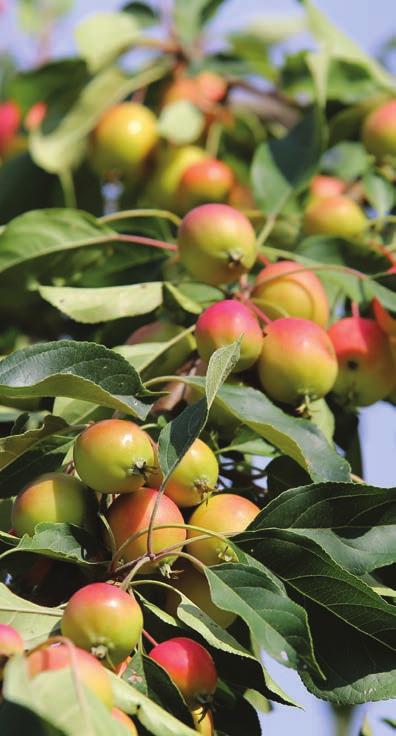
338, 215
366, 372
130, 514
10, 119
56, 498
123, 718
221, 324
382, 316
289, 289
379, 130
224, 513
203, 721
194, 477
35, 116
195, 586
217, 243
190, 666
205, 181
241, 197
327, 186
164, 331
112, 456
122, 140
103, 619
89, 670
11, 643
164, 187
297, 361
204, 87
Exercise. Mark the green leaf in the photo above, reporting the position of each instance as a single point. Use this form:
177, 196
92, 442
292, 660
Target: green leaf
64, 148
181, 122
379, 192
276, 623
34, 623
179, 434
91, 306
281, 166
143, 13
78, 370
354, 523
43, 457
74, 411
53, 697
298, 438
190, 17
163, 691
191, 297
23, 186
64, 542
156, 720
58, 79
348, 160
102, 37
17, 444
251, 47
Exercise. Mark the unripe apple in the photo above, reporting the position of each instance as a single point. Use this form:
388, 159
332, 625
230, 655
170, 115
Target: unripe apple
88, 669
190, 666
204, 88
35, 116
164, 331
123, 718
211, 85
11, 643
223, 323
56, 498
366, 372
217, 243
131, 513
112, 456
338, 216
288, 289
326, 186
122, 140
163, 188
104, 620
203, 721
194, 477
379, 130
10, 119
205, 181
297, 361
224, 513
195, 586
382, 316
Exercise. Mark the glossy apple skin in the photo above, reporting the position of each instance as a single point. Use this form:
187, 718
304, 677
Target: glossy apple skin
297, 361
224, 322
366, 371
190, 666
195, 586
122, 140
101, 614
205, 181
164, 331
223, 513
203, 88
281, 293
123, 718
110, 454
131, 513
217, 244
379, 130
91, 672
339, 216
194, 477
326, 186
203, 721
163, 188
11, 643
54, 497
10, 119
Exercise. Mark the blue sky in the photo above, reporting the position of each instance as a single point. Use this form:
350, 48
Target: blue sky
368, 22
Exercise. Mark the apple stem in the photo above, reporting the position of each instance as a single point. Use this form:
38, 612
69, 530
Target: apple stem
263, 259
355, 310
150, 638
142, 240
258, 312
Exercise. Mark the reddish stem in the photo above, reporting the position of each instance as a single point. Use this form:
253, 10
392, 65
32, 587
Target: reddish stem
263, 260
355, 310
259, 313
142, 240
149, 638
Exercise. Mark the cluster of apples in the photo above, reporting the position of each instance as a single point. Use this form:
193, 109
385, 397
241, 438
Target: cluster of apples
117, 458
